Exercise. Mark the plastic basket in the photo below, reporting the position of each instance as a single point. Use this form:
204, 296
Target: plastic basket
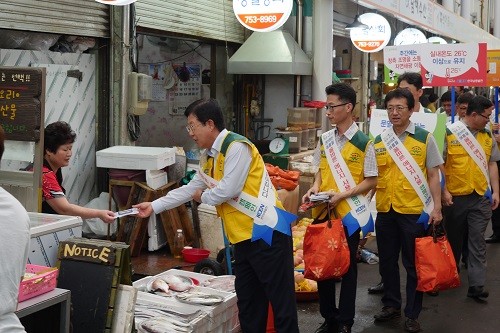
44, 281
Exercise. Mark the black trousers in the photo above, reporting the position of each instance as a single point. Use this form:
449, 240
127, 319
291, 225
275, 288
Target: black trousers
396, 233
345, 312
265, 274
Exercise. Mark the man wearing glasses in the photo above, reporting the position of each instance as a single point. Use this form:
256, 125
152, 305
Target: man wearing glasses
471, 188
231, 167
408, 198
349, 182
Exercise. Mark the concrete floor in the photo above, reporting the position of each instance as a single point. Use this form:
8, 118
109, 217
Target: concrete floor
450, 312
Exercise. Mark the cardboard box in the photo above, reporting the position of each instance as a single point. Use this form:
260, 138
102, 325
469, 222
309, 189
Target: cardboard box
135, 158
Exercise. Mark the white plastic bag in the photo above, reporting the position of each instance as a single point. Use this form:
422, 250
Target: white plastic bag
96, 225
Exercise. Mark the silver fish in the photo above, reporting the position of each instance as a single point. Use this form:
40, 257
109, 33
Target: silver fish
199, 298
177, 283
161, 325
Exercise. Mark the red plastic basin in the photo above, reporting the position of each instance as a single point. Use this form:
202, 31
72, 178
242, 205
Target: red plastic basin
194, 255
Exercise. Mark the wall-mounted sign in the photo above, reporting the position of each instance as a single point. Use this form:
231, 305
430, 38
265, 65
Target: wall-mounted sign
375, 37
453, 64
21, 92
436, 40
410, 36
493, 60
116, 2
264, 15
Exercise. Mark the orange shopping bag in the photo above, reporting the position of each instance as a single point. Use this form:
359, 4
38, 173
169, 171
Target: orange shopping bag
326, 253
435, 263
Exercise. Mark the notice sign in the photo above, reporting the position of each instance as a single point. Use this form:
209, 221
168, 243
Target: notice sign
493, 76
21, 90
375, 37
400, 59
262, 15
453, 64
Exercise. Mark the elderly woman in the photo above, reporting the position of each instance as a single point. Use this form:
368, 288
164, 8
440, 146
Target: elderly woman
58, 142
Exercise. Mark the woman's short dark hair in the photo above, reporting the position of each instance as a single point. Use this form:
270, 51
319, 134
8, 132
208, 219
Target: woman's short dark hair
400, 93
206, 109
56, 135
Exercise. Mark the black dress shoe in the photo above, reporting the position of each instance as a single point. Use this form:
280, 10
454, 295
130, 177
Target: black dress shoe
411, 325
477, 292
493, 239
328, 327
344, 329
378, 289
387, 313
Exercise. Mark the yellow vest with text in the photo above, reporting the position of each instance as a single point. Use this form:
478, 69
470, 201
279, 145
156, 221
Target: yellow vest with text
463, 175
353, 154
238, 226
392, 186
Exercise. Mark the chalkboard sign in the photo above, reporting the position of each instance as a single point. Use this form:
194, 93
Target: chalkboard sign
92, 269
21, 102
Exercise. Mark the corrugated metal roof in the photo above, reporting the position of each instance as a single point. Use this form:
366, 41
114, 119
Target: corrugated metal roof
201, 18
72, 17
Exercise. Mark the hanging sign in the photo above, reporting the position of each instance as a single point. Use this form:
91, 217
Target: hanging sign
410, 36
400, 59
375, 37
453, 64
116, 2
493, 75
262, 15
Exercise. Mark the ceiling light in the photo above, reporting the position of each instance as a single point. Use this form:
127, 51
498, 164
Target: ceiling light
356, 24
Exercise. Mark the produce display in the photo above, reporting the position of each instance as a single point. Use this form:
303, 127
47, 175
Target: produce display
298, 231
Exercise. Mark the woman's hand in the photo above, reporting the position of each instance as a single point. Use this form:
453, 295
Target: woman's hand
312, 190
107, 216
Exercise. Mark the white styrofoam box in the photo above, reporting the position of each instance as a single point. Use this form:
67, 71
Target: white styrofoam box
211, 229
156, 178
135, 158
47, 231
123, 315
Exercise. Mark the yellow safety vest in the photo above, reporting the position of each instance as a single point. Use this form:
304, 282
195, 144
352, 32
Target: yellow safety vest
353, 154
392, 186
238, 226
463, 175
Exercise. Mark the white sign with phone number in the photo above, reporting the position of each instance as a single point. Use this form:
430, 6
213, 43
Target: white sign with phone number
262, 15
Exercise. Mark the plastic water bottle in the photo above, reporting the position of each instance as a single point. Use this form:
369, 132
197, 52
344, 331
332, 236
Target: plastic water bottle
369, 257
178, 244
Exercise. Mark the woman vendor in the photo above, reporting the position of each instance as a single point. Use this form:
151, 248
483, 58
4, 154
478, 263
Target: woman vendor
58, 144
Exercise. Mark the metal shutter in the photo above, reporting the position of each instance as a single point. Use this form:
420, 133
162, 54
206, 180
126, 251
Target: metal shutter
212, 19
71, 17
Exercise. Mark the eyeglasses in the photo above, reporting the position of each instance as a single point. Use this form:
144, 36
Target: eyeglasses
332, 107
191, 127
482, 115
398, 108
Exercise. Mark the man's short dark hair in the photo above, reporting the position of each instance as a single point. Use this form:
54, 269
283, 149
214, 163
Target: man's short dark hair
345, 92
465, 98
400, 93
412, 78
478, 104
446, 97
57, 134
206, 109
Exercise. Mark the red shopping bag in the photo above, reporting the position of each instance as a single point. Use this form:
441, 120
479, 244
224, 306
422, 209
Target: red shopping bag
435, 263
326, 253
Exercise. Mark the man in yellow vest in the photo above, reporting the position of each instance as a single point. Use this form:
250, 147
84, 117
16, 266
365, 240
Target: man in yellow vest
471, 188
354, 179
233, 178
408, 199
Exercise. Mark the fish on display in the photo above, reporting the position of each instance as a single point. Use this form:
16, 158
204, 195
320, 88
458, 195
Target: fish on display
157, 284
198, 297
178, 283
222, 283
161, 325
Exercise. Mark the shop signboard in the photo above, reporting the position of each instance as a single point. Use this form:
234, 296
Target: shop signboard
410, 36
432, 122
375, 37
400, 59
263, 15
21, 92
493, 75
453, 64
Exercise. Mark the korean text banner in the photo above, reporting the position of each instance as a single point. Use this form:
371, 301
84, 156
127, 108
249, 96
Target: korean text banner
493, 76
432, 122
453, 64
400, 59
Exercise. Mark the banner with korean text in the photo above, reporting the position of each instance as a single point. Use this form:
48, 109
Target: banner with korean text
453, 64
493, 75
400, 59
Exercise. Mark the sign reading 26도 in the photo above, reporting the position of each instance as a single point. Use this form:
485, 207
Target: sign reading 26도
262, 15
